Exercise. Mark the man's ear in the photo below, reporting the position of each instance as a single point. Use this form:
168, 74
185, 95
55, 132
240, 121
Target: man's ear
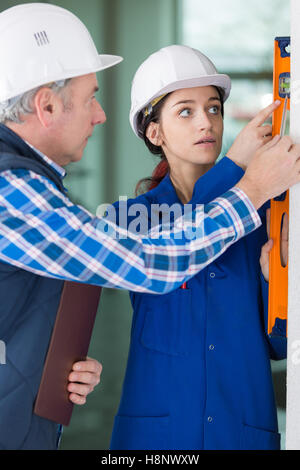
47, 105
153, 134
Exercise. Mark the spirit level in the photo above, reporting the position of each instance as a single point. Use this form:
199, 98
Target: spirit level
278, 274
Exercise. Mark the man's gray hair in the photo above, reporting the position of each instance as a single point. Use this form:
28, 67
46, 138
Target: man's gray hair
13, 108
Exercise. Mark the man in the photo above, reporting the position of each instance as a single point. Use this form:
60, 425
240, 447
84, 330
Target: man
48, 111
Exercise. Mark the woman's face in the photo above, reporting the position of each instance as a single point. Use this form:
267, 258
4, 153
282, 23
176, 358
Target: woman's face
191, 127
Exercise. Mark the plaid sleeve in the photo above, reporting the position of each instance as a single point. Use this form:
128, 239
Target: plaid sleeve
43, 232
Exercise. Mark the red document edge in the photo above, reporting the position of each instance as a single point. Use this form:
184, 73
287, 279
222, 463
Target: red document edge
69, 343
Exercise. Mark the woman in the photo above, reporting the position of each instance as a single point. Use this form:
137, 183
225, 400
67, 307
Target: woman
198, 373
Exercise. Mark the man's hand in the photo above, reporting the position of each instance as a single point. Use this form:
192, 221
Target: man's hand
252, 137
274, 168
267, 247
84, 377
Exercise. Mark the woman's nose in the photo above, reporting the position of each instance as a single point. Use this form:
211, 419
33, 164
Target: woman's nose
204, 121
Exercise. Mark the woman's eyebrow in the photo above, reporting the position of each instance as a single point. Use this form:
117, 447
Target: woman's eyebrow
183, 102
212, 98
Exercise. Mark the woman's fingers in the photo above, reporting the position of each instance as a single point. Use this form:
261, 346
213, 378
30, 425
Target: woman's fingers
284, 246
265, 113
264, 258
264, 131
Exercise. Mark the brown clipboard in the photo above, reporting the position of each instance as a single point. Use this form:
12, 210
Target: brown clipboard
69, 343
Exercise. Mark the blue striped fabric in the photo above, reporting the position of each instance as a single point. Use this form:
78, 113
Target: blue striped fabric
42, 231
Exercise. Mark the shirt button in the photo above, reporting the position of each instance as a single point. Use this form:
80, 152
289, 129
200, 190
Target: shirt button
210, 419
211, 347
212, 275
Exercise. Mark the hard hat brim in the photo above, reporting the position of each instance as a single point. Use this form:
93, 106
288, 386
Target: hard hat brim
107, 61
219, 80
104, 62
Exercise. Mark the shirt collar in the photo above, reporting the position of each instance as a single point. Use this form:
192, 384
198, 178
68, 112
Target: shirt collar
60, 170
215, 182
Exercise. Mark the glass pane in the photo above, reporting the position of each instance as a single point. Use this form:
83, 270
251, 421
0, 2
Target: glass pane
236, 35
239, 38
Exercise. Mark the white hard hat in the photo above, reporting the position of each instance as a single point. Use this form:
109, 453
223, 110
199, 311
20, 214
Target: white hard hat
42, 43
169, 69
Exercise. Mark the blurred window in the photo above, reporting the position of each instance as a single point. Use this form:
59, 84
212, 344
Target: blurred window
239, 38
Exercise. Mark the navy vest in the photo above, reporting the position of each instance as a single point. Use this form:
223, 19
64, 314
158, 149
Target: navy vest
28, 309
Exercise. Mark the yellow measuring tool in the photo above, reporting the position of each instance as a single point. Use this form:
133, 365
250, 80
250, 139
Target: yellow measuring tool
278, 273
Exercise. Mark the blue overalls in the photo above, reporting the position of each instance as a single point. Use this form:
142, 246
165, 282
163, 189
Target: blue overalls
198, 374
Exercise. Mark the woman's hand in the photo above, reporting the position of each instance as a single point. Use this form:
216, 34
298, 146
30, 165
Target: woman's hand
267, 247
254, 135
84, 377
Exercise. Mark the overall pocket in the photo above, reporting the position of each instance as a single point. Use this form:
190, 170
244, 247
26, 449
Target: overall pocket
140, 433
167, 323
259, 439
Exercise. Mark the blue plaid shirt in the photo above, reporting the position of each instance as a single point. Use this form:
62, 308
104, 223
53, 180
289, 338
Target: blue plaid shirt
42, 231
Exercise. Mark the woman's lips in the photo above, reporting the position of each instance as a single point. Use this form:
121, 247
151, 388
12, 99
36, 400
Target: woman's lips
206, 141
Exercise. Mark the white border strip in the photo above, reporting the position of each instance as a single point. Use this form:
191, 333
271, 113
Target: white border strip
293, 360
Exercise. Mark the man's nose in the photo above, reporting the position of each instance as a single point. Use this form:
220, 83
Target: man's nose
99, 116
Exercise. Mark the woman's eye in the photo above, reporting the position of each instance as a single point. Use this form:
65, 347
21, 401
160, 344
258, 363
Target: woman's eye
186, 112
214, 110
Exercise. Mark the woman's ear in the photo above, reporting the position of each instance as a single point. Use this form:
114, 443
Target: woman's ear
153, 134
